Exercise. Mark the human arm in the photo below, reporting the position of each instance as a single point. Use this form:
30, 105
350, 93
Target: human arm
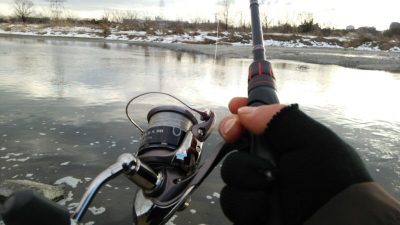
314, 166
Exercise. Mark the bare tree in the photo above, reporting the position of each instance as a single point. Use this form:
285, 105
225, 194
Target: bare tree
161, 5
131, 15
117, 15
267, 22
56, 8
130, 18
22, 9
106, 16
265, 19
226, 6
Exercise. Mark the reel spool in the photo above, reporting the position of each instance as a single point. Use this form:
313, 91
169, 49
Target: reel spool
168, 141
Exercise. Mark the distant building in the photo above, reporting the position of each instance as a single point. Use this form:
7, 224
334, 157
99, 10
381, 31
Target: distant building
394, 28
368, 30
350, 27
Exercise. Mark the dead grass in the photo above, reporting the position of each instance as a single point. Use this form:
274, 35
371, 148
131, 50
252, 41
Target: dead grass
179, 29
383, 42
235, 37
134, 36
281, 37
106, 29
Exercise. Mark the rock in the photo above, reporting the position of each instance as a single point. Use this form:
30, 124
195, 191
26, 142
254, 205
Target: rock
54, 193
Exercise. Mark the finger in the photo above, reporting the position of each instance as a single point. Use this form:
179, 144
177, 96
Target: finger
236, 103
245, 171
244, 207
230, 128
255, 119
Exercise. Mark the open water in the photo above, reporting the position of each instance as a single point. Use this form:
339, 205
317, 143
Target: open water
62, 113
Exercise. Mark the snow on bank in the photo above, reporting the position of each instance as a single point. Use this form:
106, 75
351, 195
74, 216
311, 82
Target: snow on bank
199, 37
300, 43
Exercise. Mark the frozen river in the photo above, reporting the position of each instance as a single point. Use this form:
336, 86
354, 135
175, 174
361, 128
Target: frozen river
62, 113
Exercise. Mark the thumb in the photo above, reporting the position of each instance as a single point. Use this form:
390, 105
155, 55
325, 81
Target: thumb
256, 119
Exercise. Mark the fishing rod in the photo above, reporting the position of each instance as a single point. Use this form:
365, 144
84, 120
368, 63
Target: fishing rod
261, 83
262, 91
167, 167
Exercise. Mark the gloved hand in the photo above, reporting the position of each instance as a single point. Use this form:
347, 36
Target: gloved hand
313, 164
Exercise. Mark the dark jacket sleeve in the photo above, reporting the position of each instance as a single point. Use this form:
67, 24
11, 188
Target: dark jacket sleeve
360, 204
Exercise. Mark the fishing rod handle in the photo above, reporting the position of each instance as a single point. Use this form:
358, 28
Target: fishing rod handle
262, 91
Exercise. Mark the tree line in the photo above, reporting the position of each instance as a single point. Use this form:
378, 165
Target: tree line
130, 19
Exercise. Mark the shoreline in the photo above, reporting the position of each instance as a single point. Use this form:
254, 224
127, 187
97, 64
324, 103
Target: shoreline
359, 59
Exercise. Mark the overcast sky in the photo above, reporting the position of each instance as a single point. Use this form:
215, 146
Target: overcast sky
338, 13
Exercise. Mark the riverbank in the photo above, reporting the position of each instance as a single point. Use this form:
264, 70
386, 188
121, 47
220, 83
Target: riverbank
360, 59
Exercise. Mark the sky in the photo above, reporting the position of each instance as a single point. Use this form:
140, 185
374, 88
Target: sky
333, 13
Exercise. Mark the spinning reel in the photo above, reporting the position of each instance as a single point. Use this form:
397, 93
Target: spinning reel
166, 169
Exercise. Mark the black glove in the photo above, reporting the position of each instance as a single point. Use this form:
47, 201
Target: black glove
313, 165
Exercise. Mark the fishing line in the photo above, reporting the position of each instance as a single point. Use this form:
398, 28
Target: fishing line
216, 41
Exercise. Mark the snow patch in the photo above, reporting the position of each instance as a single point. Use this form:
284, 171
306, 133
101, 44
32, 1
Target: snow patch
193, 211
368, 47
69, 180
69, 198
394, 49
19, 160
97, 211
217, 195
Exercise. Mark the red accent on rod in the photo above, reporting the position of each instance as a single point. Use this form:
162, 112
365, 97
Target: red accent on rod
250, 73
259, 69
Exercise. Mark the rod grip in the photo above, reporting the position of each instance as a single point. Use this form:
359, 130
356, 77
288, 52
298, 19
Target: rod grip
261, 84
28, 208
261, 91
